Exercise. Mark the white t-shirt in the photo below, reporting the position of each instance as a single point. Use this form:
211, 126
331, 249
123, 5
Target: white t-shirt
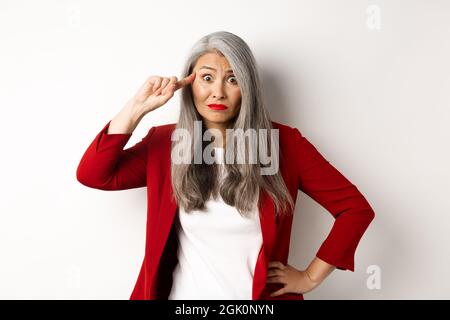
217, 251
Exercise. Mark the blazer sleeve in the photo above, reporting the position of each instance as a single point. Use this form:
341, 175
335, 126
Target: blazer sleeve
106, 166
326, 185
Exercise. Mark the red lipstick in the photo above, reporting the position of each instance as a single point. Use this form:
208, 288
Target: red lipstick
217, 106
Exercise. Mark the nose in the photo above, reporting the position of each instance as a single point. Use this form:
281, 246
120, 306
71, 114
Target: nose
218, 90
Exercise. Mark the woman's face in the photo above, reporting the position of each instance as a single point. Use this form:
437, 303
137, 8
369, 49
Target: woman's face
215, 83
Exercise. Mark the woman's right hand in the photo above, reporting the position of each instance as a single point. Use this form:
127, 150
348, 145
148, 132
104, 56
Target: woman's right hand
156, 91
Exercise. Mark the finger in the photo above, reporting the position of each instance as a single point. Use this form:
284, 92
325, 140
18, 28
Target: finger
274, 272
164, 82
278, 292
185, 81
173, 80
276, 264
159, 90
275, 279
167, 87
170, 88
146, 88
157, 84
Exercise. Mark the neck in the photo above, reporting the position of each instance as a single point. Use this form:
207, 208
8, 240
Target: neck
219, 142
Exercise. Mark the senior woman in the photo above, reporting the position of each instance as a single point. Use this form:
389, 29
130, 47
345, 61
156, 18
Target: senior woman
221, 229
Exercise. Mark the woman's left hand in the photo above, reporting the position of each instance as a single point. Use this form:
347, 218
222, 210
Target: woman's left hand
295, 281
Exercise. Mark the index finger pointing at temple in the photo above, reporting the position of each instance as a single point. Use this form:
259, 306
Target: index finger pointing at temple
185, 81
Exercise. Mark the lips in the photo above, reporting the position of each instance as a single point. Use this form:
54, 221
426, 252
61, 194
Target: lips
217, 106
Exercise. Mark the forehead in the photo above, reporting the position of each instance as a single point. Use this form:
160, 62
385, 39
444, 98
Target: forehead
213, 61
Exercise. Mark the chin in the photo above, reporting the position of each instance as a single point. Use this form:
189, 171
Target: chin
218, 121
218, 118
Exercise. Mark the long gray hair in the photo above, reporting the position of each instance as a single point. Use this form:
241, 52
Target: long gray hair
193, 184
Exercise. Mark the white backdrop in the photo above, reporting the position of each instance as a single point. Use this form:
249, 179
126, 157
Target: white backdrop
367, 82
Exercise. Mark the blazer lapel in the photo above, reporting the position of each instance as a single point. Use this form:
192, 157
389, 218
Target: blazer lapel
268, 228
168, 207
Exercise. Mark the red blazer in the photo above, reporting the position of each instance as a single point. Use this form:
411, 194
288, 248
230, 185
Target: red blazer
106, 166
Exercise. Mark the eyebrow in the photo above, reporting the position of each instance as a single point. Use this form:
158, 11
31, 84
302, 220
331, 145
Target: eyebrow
211, 68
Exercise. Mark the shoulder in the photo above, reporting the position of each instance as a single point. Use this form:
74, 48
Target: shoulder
281, 126
164, 130
292, 141
286, 132
159, 136
169, 127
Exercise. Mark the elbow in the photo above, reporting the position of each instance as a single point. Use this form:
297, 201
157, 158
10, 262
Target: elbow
372, 215
90, 180
370, 212
82, 177
367, 211
369, 215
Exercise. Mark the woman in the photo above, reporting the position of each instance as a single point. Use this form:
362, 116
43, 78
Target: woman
221, 229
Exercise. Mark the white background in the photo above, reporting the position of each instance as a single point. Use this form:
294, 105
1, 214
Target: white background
367, 82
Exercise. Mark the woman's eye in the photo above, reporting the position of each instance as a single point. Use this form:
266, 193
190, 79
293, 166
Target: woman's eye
233, 77
206, 76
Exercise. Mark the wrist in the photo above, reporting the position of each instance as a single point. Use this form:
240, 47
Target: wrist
311, 278
134, 110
